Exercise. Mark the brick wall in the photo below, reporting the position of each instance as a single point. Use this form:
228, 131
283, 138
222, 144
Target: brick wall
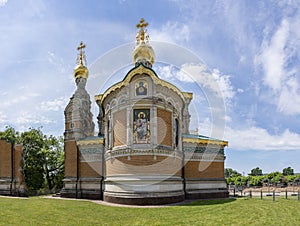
90, 169
143, 165
5, 159
196, 169
6, 165
164, 127
119, 132
70, 159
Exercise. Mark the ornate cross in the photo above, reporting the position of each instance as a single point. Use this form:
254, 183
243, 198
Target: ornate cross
142, 24
140, 36
81, 55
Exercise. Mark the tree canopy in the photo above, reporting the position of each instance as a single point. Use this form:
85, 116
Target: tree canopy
272, 178
231, 173
288, 171
43, 157
256, 172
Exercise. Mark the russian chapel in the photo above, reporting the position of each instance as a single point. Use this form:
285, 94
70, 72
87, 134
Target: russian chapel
142, 152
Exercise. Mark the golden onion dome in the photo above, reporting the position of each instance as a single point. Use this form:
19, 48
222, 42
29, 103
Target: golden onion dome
81, 71
143, 52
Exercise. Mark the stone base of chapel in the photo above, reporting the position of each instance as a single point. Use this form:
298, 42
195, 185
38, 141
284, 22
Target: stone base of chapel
143, 199
85, 188
207, 194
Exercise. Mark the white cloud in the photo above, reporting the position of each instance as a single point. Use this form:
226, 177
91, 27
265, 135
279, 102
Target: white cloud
215, 81
30, 118
174, 32
165, 72
3, 2
17, 98
289, 98
256, 138
57, 104
273, 56
278, 59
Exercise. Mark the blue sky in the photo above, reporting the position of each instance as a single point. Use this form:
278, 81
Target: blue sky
250, 47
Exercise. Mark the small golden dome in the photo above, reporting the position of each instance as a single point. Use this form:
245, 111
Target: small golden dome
80, 71
143, 52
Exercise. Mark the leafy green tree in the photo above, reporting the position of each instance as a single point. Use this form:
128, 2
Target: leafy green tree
53, 157
288, 171
256, 180
43, 157
240, 181
231, 173
44, 160
11, 135
290, 178
274, 177
33, 142
256, 172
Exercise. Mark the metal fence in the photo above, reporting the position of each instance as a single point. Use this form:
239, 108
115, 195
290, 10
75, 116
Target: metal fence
272, 193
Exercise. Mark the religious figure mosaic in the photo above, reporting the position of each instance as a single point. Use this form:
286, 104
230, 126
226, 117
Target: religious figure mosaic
141, 125
141, 88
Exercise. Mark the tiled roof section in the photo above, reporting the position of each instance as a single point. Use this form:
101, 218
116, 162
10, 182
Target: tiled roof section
91, 140
196, 138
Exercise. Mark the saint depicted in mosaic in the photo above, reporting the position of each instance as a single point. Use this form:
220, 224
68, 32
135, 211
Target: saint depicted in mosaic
141, 125
141, 88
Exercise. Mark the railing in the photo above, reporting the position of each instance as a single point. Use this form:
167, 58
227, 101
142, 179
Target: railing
265, 192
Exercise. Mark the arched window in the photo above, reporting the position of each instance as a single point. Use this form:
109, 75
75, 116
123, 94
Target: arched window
108, 133
176, 132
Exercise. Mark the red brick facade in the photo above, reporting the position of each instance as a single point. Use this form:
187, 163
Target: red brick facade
11, 169
119, 131
71, 159
204, 170
164, 127
142, 164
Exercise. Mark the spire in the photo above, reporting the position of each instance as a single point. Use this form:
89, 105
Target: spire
143, 52
81, 71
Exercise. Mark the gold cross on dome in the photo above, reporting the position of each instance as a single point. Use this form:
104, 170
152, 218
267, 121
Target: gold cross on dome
81, 55
142, 24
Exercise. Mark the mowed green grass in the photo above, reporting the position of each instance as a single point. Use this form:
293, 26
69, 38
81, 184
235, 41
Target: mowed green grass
44, 211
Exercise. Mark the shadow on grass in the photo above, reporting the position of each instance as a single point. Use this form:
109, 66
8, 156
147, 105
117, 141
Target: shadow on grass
210, 202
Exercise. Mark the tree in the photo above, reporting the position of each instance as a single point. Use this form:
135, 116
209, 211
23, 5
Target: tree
288, 171
11, 135
290, 178
231, 173
53, 154
274, 177
240, 181
43, 157
256, 180
33, 142
256, 172
44, 160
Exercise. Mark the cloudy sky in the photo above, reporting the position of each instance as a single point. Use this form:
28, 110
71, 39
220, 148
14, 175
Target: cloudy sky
249, 54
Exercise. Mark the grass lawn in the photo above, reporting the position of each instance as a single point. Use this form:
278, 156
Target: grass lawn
44, 211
